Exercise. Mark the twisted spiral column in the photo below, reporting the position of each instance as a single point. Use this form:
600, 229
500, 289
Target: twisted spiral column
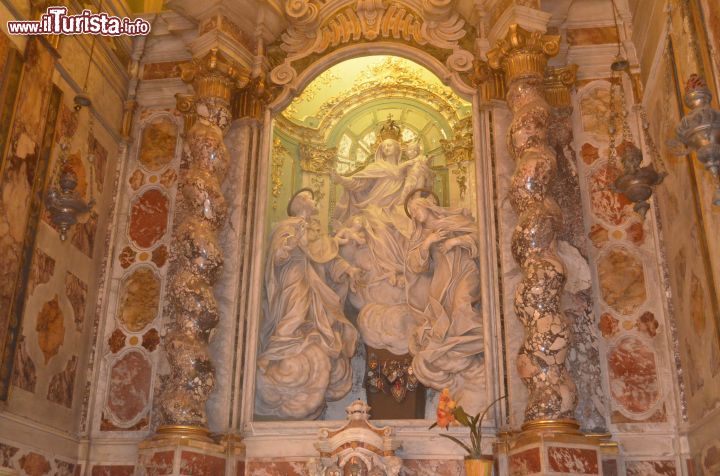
196, 254
523, 55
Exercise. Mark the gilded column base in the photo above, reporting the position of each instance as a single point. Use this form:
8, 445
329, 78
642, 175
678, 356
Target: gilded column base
554, 446
179, 450
560, 427
188, 432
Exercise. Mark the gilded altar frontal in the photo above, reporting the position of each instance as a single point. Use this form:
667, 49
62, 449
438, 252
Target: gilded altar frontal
360, 238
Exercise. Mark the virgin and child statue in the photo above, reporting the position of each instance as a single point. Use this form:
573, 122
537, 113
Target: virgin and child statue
406, 264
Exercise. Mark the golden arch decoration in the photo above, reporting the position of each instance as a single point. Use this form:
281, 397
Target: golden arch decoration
317, 29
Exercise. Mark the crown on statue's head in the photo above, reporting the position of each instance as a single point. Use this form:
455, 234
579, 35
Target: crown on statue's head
389, 129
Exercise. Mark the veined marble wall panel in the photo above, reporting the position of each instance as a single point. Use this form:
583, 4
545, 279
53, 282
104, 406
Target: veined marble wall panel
684, 215
131, 332
630, 302
34, 462
50, 370
21, 171
49, 388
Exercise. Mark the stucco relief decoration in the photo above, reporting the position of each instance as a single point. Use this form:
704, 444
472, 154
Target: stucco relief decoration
406, 264
316, 27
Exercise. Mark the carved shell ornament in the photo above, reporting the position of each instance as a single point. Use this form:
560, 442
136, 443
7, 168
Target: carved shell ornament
316, 28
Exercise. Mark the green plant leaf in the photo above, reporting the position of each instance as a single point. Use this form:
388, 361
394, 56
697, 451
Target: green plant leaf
482, 417
458, 442
461, 416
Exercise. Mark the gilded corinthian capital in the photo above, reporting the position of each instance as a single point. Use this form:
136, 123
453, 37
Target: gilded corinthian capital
214, 76
523, 53
558, 84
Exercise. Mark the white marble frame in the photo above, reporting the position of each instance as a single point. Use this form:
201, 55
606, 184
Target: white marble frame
298, 436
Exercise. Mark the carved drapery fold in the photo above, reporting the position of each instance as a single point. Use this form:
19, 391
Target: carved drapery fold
523, 55
191, 309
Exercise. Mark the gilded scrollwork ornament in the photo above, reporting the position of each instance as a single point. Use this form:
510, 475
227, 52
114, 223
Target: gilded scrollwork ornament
316, 28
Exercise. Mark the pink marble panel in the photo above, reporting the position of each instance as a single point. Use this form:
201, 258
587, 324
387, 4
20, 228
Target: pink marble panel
76, 292
160, 256
148, 218
41, 270
633, 375
100, 157
139, 299
272, 468
160, 463
83, 234
24, 374
613, 208
20, 167
598, 235
61, 386
116, 341
433, 467
636, 233
196, 464
622, 280
34, 464
67, 123
112, 470
651, 468
151, 339
164, 70
609, 326
158, 142
6, 455
136, 179
647, 324
64, 468
710, 458
167, 179
127, 257
592, 35
525, 462
573, 460
589, 153
50, 328
129, 387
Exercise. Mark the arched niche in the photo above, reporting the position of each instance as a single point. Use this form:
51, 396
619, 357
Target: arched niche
258, 430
